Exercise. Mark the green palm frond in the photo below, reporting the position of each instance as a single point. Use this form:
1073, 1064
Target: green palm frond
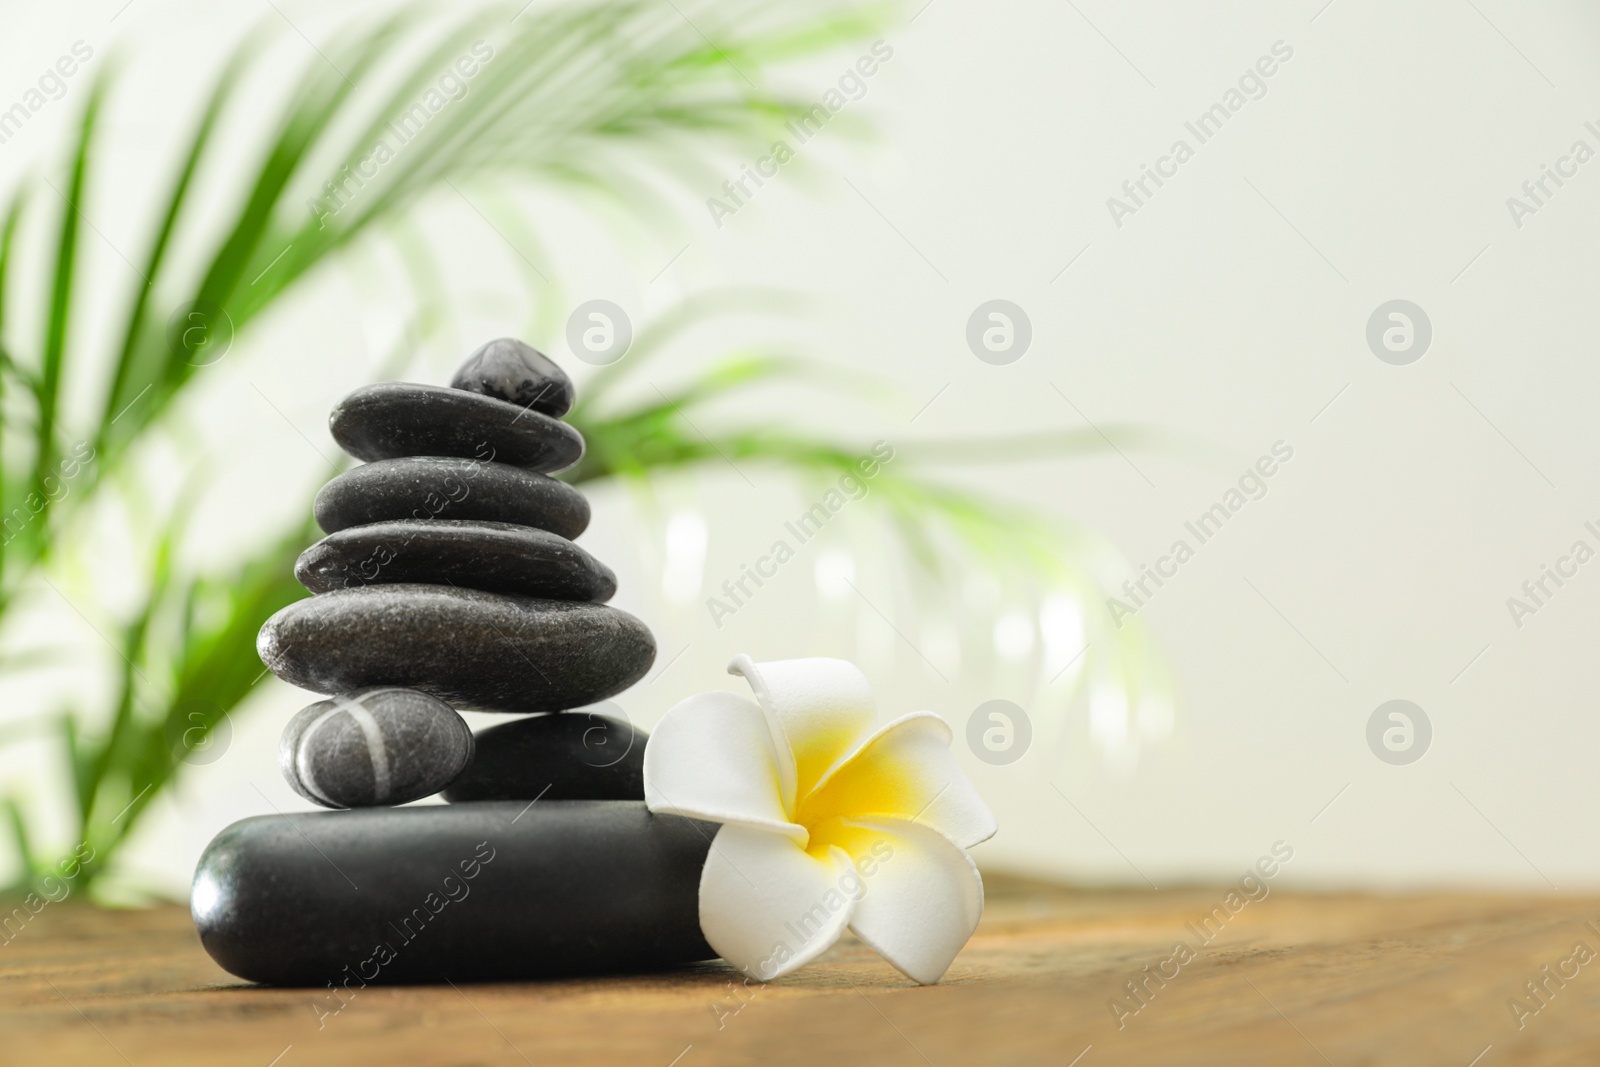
616, 96
944, 528
626, 101
623, 93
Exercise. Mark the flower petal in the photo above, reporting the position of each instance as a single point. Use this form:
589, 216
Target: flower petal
819, 708
766, 905
923, 895
712, 757
904, 771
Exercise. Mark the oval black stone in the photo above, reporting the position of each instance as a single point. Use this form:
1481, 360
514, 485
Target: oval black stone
490, 891
394, 419
517, 373
567, 755
494, 556
471, 649
437, 487
376, 746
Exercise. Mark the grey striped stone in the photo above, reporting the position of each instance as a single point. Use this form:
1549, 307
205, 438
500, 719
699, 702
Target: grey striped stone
384, 745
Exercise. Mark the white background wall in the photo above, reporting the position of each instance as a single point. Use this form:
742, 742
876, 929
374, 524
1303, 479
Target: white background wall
1229, 311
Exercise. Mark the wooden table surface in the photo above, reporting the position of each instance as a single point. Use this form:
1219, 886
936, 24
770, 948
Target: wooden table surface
1338, 979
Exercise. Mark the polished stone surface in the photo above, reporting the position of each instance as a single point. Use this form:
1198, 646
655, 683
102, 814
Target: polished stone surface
493, 556
394, 419
385, 745
459, 892
436, 487
517, 373
565, 755
473, 650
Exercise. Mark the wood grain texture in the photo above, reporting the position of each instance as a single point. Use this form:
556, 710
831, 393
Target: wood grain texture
1339, 979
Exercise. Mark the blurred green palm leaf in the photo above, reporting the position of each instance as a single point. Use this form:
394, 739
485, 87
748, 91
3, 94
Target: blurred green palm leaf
619, 97
609, 95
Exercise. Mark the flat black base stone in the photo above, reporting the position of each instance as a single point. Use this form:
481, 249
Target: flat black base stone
464, 892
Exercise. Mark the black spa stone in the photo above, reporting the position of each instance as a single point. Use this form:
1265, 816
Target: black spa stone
376, 746
518, 373
465, 892
394, 419
494, 556
471, 649
570, 755
436, 487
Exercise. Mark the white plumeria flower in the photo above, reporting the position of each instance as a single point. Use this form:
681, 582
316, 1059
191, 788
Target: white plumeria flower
826, 824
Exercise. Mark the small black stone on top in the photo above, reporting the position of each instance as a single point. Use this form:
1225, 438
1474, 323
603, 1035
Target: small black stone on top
518, 373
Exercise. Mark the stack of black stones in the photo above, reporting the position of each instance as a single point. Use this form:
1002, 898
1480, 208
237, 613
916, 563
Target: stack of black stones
448, 580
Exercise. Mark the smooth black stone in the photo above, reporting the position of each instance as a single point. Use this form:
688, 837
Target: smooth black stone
394, 419
493, 556
436, 487
376, 746
517, 373
485, 651
490, 891
566, 755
